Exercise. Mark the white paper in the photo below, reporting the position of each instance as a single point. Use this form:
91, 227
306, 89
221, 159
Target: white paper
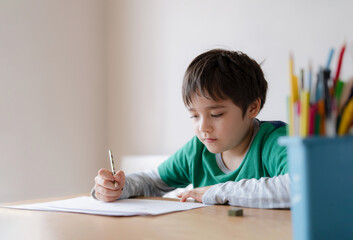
125, 207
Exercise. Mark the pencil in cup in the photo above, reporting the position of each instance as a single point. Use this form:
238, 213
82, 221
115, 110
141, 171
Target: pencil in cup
112, 167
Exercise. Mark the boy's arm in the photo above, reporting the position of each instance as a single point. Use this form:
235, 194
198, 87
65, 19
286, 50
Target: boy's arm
170, 174
148, 183
267, 192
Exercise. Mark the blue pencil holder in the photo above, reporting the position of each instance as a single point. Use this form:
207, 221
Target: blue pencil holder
321, 171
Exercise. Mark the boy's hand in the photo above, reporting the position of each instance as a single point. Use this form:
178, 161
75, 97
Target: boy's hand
196, 193
104, 185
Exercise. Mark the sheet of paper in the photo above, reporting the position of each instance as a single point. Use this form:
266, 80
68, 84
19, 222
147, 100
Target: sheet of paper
125, 207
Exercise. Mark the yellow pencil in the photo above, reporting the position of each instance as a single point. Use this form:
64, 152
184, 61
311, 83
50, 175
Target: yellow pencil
347, 118
293, 98
304, 113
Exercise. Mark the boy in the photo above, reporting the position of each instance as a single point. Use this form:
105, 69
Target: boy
234, 158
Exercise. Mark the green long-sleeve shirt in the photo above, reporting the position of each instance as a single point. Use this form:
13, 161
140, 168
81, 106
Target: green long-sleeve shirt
193, 163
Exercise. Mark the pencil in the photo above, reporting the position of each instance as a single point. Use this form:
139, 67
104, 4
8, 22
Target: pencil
346, 120
112, 166
293, 104
312, 114
329, 58
304, 113
339, 64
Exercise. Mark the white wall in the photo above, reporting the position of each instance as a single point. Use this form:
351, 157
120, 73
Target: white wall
63, 102
53, 104
152, 43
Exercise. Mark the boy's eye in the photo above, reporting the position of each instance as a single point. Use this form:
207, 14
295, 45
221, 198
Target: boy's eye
194, 116
216, 115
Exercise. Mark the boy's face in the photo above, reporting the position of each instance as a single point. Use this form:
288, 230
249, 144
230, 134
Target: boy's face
220, 124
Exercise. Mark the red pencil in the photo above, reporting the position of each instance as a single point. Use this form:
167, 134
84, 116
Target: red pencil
312, 114
339, 64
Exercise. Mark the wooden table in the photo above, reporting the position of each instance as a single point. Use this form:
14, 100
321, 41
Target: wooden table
210, 222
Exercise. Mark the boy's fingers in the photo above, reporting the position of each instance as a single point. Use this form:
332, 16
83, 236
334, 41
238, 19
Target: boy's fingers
105, 198
106, 174
105, 191
119, 175
180, 195
120, 178
105, 183
184, 196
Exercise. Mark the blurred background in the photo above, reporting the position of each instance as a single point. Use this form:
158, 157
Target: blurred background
78, 77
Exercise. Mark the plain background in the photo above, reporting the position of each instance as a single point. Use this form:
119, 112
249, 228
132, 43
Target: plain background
80, 76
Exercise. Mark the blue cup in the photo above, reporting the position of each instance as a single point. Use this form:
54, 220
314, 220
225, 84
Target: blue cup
321, 171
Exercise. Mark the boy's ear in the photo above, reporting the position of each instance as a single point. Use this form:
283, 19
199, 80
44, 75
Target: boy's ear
254, 108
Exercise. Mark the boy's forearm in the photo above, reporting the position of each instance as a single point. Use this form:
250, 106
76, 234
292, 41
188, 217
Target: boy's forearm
148, 183
263, 193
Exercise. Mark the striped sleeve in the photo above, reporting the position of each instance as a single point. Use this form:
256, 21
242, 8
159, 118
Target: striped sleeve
266, 192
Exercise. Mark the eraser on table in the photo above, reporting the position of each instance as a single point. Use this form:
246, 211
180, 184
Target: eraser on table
235, 212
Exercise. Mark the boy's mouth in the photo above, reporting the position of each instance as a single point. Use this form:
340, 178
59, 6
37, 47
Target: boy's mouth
209, 140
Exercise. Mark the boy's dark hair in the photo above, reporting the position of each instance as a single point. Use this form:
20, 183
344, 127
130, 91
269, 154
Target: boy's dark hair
222, 74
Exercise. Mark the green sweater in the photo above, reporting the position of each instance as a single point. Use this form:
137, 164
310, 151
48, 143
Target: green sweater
193, 163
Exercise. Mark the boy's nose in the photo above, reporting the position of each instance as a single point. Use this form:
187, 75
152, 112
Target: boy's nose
205, 126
